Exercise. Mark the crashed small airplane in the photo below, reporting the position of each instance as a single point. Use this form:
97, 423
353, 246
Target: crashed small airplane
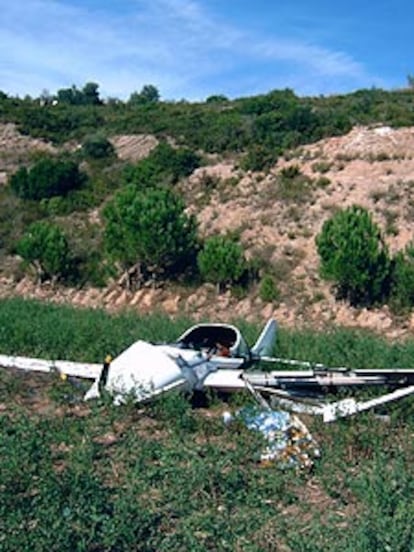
217, 356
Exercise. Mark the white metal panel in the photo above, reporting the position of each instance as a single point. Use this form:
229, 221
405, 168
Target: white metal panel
75, 369
143, 370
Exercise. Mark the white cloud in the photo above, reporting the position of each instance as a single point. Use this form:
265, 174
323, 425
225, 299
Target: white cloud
178, 45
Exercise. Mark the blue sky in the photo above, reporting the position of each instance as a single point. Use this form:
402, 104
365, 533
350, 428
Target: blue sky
191, 49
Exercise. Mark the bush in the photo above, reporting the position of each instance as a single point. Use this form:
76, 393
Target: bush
353, 255
149, 94
179, 162
290, 172
221, 261
45, 247
293, 185
269, 291
164, 164
259, 158
402, 280
47, 178
150, 229
96, 146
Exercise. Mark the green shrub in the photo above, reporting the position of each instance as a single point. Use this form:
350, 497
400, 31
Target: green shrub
151, 230
217, 99
269, 292
46, 249
322, 182
221, 261
97, 146
354, 256
149, 94
178, 162
47, 178
321, 166
164, 164
90, 266
402, 280
293, 185
290, 172
259, 158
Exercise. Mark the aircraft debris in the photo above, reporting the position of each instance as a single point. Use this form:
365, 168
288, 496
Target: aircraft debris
289, 444
217, 356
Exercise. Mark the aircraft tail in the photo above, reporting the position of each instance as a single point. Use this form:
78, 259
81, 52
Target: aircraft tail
266, 340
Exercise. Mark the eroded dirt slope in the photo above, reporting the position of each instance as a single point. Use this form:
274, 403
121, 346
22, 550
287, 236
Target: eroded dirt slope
372, 167
16, 149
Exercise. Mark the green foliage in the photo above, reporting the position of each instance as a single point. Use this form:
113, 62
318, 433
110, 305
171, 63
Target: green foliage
149, 94
47, 178
164, 165
217, 98
402, 280
59, 123
353, 255
259, 158
221, 261
143, 175
97, 146
13, 227
277, 120
89, 95
293, 186
150, 228
168, 477
78, 334
45, 247
179, 162
91, 268
290, 172
269, 292
256, 129
321, 166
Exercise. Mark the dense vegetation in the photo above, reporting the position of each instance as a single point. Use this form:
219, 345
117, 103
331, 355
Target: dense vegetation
150, 230
354, 256
254, 130
221, 261
46, 248
46, 178
273, 121
170, 475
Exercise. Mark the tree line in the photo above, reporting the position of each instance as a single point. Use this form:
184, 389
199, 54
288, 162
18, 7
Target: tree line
260, 127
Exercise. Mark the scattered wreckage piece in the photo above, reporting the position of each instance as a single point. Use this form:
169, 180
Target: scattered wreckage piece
83, 370
288, 442
217, 356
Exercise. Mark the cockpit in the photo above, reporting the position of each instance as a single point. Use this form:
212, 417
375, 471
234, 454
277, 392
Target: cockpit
221, 339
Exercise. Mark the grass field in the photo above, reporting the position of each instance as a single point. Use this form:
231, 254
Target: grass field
171, 476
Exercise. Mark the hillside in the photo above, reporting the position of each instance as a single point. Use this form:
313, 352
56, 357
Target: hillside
370, 166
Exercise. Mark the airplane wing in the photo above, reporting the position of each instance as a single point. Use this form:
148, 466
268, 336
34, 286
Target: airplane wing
76, 369
225, 380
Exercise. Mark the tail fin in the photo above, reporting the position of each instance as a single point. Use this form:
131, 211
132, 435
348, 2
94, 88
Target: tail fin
265, 342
